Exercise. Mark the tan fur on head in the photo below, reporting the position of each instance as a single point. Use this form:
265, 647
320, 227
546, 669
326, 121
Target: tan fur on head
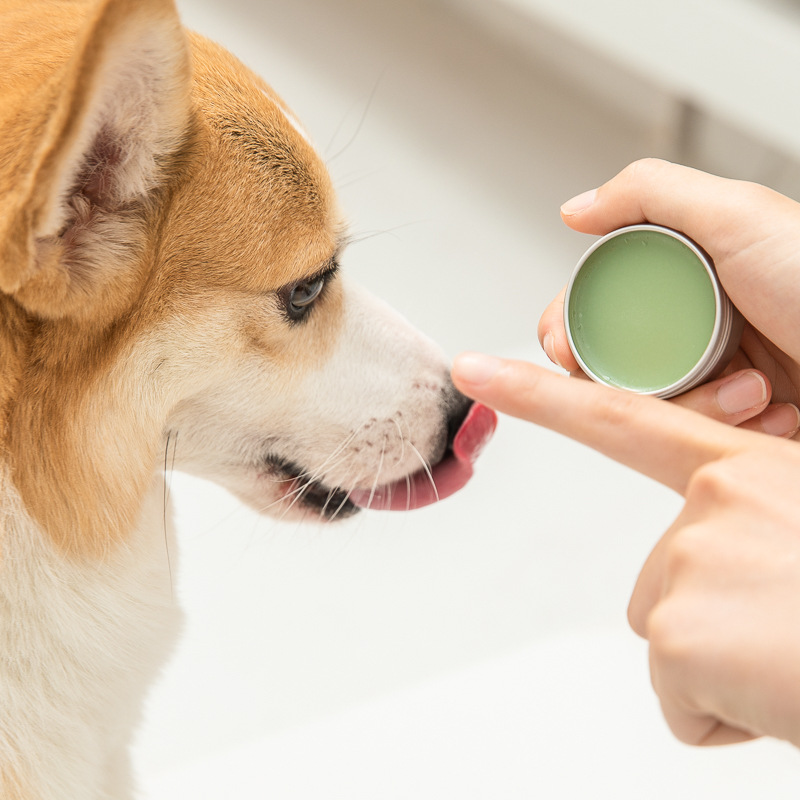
140, 251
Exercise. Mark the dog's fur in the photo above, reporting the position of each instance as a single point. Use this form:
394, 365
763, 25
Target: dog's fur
160, 211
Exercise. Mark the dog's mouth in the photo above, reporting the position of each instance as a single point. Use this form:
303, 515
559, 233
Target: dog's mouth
422, 488
452, 473
310, 495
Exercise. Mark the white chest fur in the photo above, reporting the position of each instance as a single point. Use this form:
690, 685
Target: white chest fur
79, 643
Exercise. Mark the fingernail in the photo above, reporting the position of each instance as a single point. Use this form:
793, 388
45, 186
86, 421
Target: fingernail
744, 392
475, 368
782, 420
579, 203
549, 347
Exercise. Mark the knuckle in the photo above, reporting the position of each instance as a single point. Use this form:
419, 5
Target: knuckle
754, 193
637, 619
644, 170
666, 635
711, 483
685, 550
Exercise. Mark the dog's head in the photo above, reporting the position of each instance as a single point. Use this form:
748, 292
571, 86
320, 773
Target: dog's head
171, 247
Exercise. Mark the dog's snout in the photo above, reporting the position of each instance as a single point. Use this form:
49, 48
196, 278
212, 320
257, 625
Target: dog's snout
457, 407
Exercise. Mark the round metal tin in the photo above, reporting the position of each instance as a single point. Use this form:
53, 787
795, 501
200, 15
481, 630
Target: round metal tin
725, 336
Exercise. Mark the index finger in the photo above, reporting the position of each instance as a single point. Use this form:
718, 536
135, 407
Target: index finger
664, 441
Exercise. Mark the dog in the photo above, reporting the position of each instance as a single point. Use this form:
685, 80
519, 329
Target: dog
170, 296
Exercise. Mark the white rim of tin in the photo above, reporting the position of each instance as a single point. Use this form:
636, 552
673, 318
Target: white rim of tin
724, 337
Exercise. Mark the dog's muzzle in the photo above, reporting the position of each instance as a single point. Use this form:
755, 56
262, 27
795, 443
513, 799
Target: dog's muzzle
470, 427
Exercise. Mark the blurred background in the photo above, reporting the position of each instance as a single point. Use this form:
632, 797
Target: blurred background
478, 648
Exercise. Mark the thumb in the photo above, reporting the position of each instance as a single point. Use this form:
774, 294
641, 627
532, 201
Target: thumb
719, 213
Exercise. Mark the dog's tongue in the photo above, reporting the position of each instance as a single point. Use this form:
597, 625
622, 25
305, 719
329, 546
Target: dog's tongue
446, 478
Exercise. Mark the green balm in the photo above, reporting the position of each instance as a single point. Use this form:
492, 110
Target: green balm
643, 311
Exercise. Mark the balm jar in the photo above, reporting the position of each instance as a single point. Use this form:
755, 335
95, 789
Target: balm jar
645, 311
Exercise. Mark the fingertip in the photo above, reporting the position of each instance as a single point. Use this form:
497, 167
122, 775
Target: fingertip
781, 419
473, 370
735, 399
552, 335
577, 205
745, 391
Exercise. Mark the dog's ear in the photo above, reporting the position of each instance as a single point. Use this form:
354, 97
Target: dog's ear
92, 144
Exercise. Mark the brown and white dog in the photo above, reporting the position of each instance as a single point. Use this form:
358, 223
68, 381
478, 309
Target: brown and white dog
169, 291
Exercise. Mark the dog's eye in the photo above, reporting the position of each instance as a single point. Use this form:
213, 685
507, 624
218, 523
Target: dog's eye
297, 299
301, 296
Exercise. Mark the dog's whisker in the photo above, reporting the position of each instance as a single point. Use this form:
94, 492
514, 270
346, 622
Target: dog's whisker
402, 440
331, 495
296, 494
302, 484
426, 468
360, 125
367, 235
311, 477
335, 457
339, 509
264, 509
376, 479
341, 505
330, 498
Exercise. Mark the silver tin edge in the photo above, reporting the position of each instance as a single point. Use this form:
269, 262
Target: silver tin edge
728, 322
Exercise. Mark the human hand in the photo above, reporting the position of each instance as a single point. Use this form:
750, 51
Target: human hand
719, 597
753, 236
